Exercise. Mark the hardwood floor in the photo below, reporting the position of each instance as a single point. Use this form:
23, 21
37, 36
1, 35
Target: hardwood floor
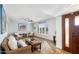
47, 47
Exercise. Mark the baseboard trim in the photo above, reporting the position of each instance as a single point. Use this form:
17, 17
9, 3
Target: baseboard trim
44, 38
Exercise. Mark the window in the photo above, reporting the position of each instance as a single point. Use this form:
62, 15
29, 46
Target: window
67, 32
40, 31
77, 20
43, 30
46, 30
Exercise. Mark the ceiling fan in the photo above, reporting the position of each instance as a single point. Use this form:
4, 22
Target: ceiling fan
28, 20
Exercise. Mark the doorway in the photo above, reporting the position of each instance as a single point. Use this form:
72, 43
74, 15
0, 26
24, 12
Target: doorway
70, 32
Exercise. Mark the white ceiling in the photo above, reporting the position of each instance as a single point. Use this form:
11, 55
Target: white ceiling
37, 12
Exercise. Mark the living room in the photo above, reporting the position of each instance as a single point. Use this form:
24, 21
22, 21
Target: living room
36, 22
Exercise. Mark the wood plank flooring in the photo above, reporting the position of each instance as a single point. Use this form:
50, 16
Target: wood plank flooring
47, 47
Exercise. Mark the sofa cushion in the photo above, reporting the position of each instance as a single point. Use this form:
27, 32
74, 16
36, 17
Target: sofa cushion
12, 42
21, 43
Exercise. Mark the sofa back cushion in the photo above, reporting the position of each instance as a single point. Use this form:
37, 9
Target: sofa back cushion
12, 43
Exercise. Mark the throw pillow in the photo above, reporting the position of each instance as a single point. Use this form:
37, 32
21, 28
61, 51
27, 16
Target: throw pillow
12, 42
22, 43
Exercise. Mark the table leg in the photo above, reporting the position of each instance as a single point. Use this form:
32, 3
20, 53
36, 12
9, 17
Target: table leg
40, 46
32, 48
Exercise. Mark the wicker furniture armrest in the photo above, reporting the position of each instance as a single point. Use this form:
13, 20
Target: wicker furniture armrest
23, 50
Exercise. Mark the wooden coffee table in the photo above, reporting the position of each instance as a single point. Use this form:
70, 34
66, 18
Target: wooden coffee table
35, 45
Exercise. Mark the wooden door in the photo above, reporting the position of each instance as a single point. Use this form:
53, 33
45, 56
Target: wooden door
73, 32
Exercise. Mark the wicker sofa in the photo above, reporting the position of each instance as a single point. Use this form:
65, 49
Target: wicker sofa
7, 50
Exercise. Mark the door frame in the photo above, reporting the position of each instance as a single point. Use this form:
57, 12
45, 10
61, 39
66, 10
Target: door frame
71, 15
63, 33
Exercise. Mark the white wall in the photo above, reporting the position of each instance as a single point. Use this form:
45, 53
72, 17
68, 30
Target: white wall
51, 27
13, 25
51, 23
59, 32
54, 24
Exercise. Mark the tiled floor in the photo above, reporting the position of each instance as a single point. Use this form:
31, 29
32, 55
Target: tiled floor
47, 47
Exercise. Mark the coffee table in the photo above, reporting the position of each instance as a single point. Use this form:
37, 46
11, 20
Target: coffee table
35, 45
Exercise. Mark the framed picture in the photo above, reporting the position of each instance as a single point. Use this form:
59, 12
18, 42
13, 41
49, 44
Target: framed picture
22, 26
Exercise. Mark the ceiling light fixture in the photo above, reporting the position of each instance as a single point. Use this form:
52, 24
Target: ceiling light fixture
28, 20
